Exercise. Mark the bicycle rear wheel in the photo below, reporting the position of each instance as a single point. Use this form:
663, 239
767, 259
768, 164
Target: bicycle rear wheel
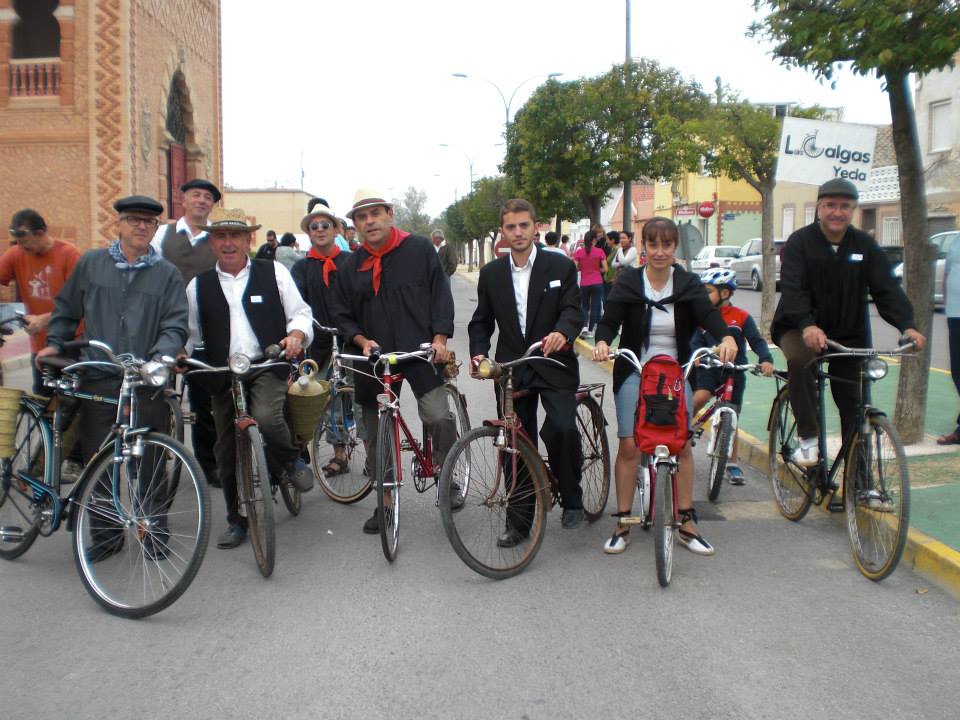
255, 499
791, 486
877, 499
342, 427
388, 485
663, 523
595, 471
175, 416
19, 510
722, 437
138, 561
484, 474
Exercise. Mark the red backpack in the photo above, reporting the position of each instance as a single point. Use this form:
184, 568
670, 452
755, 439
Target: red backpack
662, 406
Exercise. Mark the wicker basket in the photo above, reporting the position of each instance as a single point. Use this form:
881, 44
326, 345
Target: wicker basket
9, 406
307, 398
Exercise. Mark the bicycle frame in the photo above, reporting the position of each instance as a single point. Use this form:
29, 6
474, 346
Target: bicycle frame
388, 402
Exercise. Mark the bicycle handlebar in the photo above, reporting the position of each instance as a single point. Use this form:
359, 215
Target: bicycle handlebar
631, 357
906, 345
272, 353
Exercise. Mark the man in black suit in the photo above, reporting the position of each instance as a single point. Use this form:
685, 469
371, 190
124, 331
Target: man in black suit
533, 295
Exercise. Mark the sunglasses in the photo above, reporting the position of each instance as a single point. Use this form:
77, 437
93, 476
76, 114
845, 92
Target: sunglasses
321, 226
17, 233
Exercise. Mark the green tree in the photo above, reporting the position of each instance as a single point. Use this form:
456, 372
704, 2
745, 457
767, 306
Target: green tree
891, 38
742, 143
409, 212
578, 139
481, 209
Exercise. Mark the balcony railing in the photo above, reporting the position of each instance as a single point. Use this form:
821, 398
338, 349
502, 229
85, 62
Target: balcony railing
35, 77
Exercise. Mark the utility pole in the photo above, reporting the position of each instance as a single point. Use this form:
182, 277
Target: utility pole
627, 189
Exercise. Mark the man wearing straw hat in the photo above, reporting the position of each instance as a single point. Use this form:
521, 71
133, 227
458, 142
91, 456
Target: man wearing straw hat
243, 306
392, 294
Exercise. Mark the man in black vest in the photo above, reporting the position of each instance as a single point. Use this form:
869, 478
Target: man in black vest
184, 244
243, 306
532, 295
392, 294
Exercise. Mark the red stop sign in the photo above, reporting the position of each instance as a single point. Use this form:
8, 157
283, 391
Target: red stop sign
706, 209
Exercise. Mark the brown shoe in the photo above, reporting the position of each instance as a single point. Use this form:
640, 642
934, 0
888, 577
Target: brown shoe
951, 439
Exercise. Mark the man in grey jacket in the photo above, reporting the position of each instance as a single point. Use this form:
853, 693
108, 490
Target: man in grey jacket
130, 298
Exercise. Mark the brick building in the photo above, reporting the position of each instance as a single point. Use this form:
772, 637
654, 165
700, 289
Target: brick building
105, 98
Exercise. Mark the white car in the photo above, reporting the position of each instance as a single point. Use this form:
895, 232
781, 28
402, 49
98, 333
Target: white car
748, 264
714, 256
943, 241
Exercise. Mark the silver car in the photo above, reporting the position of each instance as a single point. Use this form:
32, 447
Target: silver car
942, 241
748, 264
713, 256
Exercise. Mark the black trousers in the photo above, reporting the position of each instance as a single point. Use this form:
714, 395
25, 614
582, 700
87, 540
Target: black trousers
562, 440
204, 429
953, 333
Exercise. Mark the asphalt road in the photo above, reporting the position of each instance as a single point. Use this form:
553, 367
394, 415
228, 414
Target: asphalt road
883, 335
779, 624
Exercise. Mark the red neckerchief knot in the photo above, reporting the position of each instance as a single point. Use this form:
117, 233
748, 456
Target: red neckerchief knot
375, 256
329, 265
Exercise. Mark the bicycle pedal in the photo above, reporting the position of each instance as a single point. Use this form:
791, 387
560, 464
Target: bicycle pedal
11, 533
835, 505
189, 418
630, 520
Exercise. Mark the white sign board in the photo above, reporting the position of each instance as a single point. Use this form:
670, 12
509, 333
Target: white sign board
814, 151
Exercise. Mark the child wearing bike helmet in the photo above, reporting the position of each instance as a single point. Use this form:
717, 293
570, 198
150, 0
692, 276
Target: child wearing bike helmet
721, 284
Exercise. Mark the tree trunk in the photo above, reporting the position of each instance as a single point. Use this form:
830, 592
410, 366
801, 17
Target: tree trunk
918, 256
593, 205
482, 243
768, 291
469, 247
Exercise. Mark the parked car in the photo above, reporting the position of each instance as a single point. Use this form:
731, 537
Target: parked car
748, 264
713, 256
942, 241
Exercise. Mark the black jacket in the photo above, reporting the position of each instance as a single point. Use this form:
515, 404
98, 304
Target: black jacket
553, 304
628, 307
827, 288
308, 276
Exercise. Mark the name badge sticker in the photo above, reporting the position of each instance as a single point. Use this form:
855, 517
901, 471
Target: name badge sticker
554, 283
856, 257
256, 299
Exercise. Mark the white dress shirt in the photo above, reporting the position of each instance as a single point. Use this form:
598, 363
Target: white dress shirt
626, 259
521, 286
242, 338
183, 228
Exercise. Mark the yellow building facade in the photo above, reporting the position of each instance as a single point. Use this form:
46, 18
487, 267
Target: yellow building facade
277, 209
732, 207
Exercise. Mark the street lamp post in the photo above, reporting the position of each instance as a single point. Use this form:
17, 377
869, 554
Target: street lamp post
469, 164
507, 103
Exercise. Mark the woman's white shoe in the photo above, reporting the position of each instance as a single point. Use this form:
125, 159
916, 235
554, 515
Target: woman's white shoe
616, 544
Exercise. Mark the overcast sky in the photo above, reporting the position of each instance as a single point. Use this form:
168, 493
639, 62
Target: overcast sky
363, 91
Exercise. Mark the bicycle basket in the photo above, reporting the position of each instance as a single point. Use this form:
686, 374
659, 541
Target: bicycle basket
9, 405
307, 398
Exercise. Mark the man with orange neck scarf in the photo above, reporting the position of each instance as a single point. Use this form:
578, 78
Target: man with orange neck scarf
392, 294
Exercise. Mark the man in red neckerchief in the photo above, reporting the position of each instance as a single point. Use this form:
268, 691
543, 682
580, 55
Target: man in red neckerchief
392, 294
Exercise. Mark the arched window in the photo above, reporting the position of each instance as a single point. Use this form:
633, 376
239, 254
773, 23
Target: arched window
179, 125
37, 33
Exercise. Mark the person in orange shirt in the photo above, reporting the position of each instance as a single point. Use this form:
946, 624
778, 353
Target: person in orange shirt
40, 264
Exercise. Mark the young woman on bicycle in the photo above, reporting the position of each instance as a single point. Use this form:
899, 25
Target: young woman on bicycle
655, 310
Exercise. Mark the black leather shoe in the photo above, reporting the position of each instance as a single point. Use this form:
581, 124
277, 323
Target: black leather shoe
372, 525
571, 518
234, 536
512, 538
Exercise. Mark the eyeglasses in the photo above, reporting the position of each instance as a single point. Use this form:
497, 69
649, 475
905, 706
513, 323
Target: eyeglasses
321, 225
17, 233
834, 205
138, 221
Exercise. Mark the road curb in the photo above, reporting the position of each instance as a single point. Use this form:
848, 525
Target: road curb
928, 557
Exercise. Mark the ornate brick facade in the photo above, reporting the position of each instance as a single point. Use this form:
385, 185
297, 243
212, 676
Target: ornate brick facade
70, 149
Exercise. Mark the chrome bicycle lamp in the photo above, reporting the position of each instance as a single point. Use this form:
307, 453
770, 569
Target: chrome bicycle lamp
155, 373
876, 368
661, 452
238, 363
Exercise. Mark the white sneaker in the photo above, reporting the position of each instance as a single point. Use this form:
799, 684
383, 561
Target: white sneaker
805, 456
616, 544
695, 543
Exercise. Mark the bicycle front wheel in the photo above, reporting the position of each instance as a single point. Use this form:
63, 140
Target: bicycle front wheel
19, 510
501, 525
595, 470
663, 523
791, 486
877, 499
254, 497
138, 543
722, 437
291, 497
388, 485
341, 427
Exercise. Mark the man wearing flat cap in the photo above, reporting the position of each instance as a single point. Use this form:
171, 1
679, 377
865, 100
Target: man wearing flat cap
446, 253
184, 243
828, 267
392, 294
244, 306
129, 298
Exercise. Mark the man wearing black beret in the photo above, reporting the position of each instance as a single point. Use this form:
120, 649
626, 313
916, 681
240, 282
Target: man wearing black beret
129, 298
184, 243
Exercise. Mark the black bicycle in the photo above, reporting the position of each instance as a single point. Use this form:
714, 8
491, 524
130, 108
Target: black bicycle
876, 486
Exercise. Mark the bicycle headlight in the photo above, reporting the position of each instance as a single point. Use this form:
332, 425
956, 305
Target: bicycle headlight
155, 373
661, 452
876, 368
239, 363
